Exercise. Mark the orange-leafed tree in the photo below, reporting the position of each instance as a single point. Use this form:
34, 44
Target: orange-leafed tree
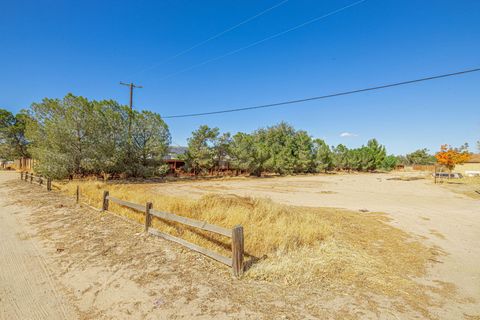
450, 157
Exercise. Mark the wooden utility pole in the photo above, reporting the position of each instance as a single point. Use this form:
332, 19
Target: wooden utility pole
132, 86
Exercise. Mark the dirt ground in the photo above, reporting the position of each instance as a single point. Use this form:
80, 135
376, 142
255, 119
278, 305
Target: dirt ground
449, 220
63, 261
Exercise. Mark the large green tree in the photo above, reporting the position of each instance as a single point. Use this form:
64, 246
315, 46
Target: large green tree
76, 136
13, 143
150, 138
323, 156
61, 132
389, 163
341, 156
201, 153
249, 153
377, 152
365, 158
420, 156
303, 152
289, 151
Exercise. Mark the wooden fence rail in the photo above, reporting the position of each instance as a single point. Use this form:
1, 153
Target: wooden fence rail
37, 179
236, 234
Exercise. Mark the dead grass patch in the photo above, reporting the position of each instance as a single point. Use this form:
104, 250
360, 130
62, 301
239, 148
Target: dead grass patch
469, 186
406, 178
327, 248
437, 234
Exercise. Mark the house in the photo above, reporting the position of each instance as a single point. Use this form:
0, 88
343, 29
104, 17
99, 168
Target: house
173, 157
471, 167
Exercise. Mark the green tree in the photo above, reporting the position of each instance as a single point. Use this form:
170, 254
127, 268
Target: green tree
242, 152
361, 159
421, 157
248, 153
13, 143
201, 153
389, 163
76, 136
365, 158
378, 152
150, 141
222, 147
303, 152
110, 139
60, 131
283, 151
401, 159
341, 156
323, 156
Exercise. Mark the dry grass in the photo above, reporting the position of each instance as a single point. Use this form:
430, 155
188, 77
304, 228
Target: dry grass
410, 178
323, 247
469, 186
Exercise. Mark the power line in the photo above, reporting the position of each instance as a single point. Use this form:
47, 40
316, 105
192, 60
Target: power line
201, 43
262, 40
344, 93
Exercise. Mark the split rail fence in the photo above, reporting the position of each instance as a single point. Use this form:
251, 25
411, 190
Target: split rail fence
236, 261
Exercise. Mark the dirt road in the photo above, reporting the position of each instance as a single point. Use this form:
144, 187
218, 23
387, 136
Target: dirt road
27, 289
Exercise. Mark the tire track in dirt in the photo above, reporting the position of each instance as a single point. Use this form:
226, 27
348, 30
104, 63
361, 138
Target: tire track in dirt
27, 289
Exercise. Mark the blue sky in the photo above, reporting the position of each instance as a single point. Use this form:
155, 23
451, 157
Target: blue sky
50, 48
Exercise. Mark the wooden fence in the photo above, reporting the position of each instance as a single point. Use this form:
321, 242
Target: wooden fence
24, 164
236, 261
42, 181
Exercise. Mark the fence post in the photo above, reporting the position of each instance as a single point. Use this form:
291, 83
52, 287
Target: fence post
148, 216
105, 201
31, 178
21, 175
40, 182
78, 194
26, 176
237, 251
49, 184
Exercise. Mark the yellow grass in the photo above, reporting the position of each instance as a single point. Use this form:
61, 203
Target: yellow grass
469, 186
330, 248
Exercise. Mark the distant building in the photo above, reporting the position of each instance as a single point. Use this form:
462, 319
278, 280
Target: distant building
471, 167
173, 158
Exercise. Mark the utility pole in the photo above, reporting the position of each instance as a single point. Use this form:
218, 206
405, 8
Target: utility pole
132, 86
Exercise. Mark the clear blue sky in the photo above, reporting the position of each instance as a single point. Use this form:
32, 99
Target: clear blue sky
50, 48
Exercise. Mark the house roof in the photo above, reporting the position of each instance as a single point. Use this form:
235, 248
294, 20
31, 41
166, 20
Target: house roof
173, 152
475, 158
177, 150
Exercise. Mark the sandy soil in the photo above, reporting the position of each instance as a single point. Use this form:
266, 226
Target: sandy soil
446, 219
27, 289
63, 261
104, 267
